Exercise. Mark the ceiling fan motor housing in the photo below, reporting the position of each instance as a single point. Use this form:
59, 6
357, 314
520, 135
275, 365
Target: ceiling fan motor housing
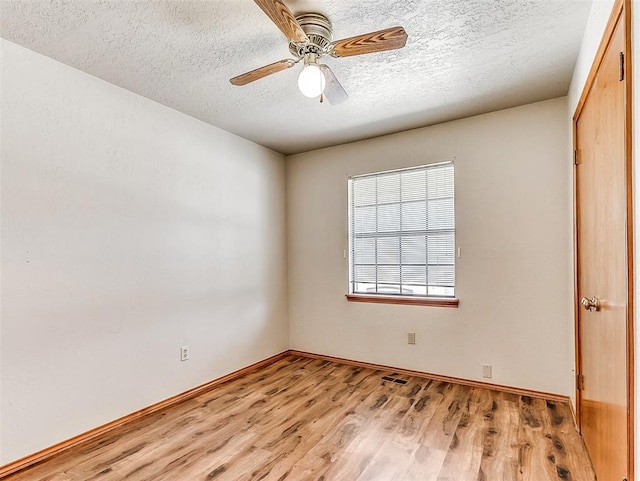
318, 30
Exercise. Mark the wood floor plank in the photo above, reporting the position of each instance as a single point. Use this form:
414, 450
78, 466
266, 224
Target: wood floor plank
465, 453
499, 440
561, 443
438, 433
377, 418
303, 419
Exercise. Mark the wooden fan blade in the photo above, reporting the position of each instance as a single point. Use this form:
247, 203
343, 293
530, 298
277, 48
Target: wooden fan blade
261, 72
387, 39
333, 90
280, 14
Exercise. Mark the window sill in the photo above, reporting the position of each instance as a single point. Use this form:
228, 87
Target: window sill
411, 301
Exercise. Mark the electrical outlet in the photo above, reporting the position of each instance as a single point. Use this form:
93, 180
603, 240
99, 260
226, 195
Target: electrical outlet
184, 353
411, 337
486, 371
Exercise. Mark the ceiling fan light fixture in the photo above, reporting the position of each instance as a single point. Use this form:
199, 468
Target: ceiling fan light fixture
311, 81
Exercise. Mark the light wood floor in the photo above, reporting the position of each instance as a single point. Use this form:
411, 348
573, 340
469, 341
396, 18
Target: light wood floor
305, 419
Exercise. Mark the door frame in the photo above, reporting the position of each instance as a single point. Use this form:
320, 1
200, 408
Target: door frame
621, 10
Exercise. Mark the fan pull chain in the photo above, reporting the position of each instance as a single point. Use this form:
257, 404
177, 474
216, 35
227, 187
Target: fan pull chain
321, 98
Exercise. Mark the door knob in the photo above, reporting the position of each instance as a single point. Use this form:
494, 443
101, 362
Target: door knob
592, 304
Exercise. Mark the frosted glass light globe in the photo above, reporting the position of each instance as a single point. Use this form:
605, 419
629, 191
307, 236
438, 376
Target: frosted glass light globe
311, 81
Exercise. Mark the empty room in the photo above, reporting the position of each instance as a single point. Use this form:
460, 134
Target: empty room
318, 240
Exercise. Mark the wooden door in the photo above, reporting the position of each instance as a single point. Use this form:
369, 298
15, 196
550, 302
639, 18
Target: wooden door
603, 266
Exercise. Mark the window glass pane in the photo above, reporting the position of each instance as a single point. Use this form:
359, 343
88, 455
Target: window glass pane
440, 182
364, 287
364, 191
440, 215
414, 216
364, 251
441, 276
389, 218
388, 188
364, 273
414, 185
414, 250
389, 274
440, 291
364, 219
388, 289
412, 275
388, 250
415, 290
441, 249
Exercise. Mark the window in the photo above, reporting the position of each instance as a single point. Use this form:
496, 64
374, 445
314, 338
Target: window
402, 232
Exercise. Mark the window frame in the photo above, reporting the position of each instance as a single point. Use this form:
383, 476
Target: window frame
381, 298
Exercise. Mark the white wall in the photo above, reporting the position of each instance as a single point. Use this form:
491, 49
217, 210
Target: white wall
514, 228
128, 230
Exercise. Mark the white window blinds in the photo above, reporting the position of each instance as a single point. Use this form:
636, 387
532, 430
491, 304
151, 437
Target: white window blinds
402, 232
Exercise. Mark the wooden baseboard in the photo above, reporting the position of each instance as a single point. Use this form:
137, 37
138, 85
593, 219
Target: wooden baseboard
63, 446
573, 415
438, 377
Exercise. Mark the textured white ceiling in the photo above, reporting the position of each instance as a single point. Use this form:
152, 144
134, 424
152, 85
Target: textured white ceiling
463, 57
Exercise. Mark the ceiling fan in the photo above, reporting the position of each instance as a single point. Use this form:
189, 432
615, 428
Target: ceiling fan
310, 38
